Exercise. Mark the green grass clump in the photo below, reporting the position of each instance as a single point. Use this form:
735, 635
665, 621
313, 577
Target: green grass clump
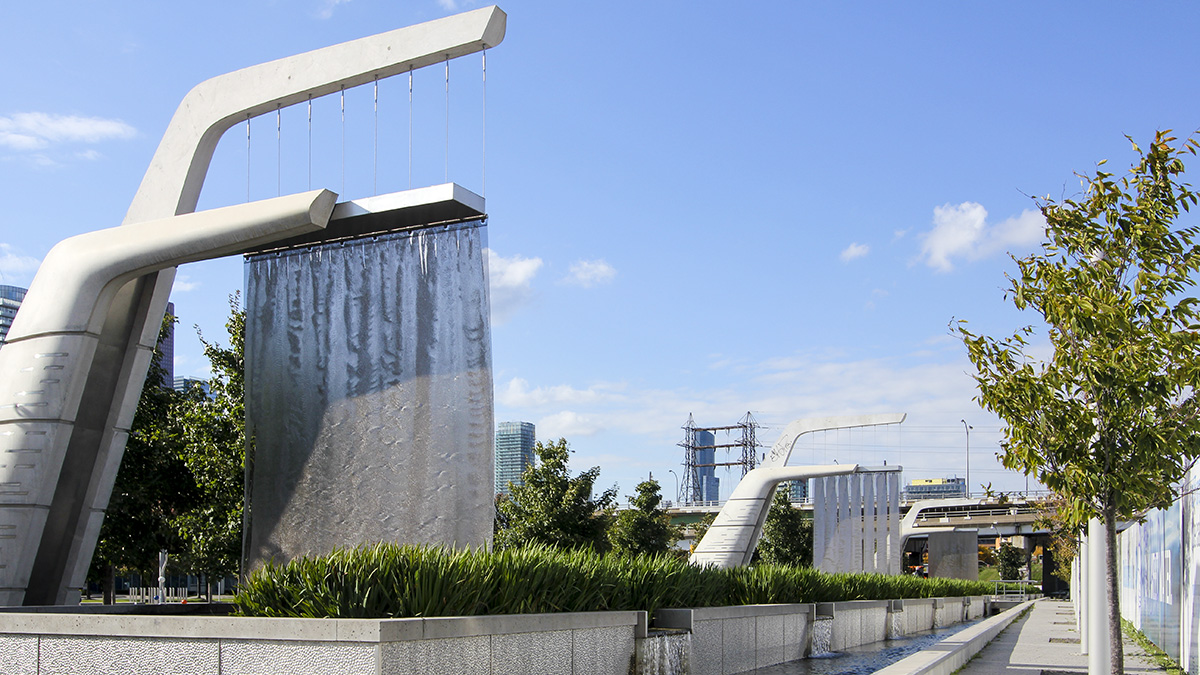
390, 580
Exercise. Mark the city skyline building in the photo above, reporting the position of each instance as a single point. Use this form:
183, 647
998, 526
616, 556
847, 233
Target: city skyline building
710, 485
514, 453
797, 491
935, 488
11, 298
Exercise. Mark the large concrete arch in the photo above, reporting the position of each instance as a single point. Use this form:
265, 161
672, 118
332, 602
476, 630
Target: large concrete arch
63, 435
731, 539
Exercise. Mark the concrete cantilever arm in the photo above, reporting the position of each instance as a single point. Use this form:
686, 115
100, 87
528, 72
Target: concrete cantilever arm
101, 262
176, 173
53, 491
733, 536
781, 451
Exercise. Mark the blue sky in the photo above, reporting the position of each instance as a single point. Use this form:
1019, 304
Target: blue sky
694, 207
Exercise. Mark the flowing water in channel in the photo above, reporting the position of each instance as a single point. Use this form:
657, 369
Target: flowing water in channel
863, 659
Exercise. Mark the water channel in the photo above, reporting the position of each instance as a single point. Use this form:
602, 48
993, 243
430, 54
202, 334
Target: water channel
863, 659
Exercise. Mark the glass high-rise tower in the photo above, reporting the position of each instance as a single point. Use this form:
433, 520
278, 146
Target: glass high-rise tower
514, 453
10, 300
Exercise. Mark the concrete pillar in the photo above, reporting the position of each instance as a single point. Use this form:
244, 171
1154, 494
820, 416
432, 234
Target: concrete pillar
894, 551
1099, 649
843, 527
869, 538
856, 523
820, 506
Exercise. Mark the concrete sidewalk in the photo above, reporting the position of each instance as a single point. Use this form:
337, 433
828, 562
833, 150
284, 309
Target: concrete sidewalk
1046, 642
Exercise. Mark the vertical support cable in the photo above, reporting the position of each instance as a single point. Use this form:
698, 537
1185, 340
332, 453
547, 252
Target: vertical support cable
278, 151
247, 158
343, 140
410, 120
375, 189
483, 152
310, 141
447, 176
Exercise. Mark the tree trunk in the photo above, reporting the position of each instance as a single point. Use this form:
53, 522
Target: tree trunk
108, 585
1116, 653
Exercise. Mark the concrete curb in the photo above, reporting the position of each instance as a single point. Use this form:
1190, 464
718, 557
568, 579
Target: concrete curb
953, 653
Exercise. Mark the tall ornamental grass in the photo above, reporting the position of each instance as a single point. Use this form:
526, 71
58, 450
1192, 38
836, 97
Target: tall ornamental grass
390, 580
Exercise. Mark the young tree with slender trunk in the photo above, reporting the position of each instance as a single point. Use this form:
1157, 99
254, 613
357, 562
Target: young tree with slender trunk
1108, 421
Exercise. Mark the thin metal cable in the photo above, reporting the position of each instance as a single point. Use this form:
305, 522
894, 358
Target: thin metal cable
483, 151
343, 140
410, 118
310, 141
247, 158
375, 189
278, 151
447, 176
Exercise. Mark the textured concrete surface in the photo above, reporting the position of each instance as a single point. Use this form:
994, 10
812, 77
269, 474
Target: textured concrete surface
369, 394
954, 555
1041, 642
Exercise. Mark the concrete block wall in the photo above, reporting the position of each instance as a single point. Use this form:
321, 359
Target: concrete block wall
736, 639
857, 622
588, 643
722, 640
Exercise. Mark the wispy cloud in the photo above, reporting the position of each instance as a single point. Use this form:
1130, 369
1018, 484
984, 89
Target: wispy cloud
511, 283
448, 5
16, 268
184, 283
326, 7
962, 231
589, 273
31, 131
932, 385
854, 250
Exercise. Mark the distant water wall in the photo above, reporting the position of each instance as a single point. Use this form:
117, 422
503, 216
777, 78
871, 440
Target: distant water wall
369, 394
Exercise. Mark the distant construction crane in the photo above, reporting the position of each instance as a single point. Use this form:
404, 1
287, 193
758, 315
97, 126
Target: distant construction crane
699, 453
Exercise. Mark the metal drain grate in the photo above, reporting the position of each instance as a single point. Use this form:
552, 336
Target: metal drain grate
1065, 641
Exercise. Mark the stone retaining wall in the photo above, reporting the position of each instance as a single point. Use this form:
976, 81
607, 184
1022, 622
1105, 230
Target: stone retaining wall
719, 640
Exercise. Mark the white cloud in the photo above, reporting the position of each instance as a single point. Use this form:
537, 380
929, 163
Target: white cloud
326, 7
448, 5
567, 424
16, 268
641, 427
511, 283
35, 130
589, 273
962, 231
854, 250
184, 283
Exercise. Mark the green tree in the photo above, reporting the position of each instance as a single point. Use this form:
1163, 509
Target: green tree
1010, 559
787, 537
553, 508
213, 435
644, 528
152, 487
1109, 421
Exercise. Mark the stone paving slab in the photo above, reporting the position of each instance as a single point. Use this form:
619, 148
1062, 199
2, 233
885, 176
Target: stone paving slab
1043, 643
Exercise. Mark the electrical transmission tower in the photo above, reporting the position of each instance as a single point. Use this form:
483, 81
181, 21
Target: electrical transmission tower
697, 463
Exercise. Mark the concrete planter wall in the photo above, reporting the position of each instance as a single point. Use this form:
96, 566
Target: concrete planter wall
591, 642
718, 640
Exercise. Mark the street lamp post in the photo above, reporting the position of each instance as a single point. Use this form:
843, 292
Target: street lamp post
967, 428
672, 472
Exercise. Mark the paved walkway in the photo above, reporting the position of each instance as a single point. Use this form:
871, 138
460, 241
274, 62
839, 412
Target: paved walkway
1046, 642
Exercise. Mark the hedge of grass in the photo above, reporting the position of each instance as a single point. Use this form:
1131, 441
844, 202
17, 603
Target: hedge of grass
390, 580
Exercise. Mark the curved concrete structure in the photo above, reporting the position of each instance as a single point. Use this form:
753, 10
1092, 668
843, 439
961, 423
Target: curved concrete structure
731, 539
782, 450
91, 359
